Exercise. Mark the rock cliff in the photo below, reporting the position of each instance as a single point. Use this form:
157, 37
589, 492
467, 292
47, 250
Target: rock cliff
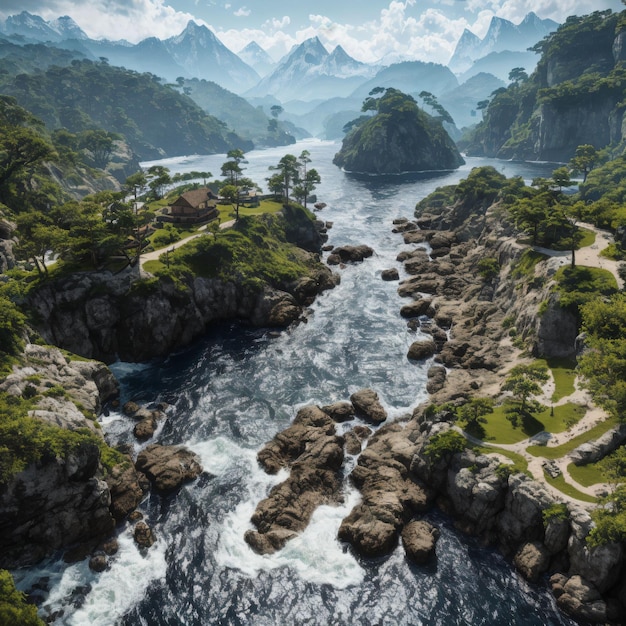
400, 138
134, 318
573, 98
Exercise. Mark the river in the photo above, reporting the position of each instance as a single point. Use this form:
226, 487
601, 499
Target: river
232, 391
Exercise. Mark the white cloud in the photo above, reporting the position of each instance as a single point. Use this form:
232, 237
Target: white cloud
133, 20
242, 12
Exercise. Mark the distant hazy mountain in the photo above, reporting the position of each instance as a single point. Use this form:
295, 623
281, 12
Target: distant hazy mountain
502, 35
202, 55
35, 28
461, 102
194, 53
411, 77
257, 59
500, 64
309, 72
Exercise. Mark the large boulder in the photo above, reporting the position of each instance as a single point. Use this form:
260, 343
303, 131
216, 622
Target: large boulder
532, 560
168, 467
367, 405
419, 539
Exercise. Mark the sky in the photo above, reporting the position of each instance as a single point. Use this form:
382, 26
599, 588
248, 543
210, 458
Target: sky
369, 30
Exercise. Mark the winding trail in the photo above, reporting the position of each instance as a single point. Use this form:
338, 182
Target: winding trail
155, 254
588, 256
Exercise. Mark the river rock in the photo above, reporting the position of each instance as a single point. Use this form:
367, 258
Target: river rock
417, 308
422, 349
340, 411
349, 254
579, 598
532, 560
168, 467
419, 539
355, 437
143, 535
390, 274
309, 425
127, 487
367, 405
389, 496
436, 378
98, 563
144, 429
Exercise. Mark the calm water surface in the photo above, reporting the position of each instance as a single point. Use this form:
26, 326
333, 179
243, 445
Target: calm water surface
232, 392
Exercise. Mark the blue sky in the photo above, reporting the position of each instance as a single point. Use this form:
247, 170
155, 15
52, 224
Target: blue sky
368, 29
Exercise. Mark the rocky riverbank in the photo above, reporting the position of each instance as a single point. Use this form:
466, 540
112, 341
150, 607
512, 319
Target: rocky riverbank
420, 461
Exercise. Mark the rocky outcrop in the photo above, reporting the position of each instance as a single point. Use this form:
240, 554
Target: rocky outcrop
52, 504
98, 315
349, 254
592, 451
367, 405
419, 539
168, 467
389, 497
314, 454
401, 140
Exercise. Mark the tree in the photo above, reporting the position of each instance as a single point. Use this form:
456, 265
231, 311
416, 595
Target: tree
307, 179
518, 75
158, 178
288, 169
99, 143
135, 183
585, 160
473, 412
561, 178
523, 382
39, 237
431, 101
232, 171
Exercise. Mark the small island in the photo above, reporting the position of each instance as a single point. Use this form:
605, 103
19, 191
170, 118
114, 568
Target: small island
399, 138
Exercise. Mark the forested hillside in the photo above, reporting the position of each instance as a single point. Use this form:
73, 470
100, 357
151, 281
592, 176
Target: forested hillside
154, 119
574, 97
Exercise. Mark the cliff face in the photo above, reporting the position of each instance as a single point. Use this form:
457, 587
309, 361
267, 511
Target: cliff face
400, 138
101, 316
573, 97
135, 317
60, 499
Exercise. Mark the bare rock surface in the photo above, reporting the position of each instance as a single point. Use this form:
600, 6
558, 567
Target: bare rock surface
168, 467
367, 404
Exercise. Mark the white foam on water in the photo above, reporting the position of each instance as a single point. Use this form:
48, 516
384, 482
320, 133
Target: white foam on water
220, 454
315, 555
114, 591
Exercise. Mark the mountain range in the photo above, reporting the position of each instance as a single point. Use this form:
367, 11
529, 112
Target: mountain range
502, 35
319, 90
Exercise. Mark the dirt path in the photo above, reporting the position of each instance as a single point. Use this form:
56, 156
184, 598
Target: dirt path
589, 256
154, 256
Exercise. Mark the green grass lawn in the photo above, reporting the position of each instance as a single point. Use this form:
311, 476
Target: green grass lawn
499, 429
586, 475
227, 211
558, 451
560, 484
564, 374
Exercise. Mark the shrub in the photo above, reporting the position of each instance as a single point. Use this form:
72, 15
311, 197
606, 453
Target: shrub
443, 444
13, 606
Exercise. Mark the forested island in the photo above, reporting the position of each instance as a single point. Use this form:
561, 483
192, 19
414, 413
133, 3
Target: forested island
523, 310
